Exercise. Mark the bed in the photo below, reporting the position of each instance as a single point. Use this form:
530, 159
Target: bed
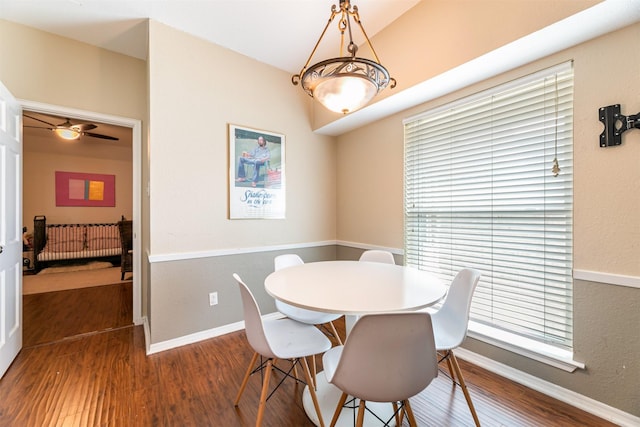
74, 243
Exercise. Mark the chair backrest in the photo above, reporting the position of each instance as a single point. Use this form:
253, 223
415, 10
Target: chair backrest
284, 261
376, 255
388, 357
454, 313
287, 260
253, 320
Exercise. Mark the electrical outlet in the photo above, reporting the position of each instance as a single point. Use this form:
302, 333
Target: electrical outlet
213, 298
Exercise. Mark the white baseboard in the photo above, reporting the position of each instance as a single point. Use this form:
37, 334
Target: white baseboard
200, 336
572, 398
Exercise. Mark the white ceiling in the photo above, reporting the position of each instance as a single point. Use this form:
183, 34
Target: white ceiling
281, 33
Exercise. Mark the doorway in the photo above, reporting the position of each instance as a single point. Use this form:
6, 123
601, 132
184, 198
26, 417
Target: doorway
136, 142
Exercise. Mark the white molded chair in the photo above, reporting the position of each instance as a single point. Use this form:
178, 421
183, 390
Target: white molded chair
388, 357
375, 255
450, 325
278, 339
303, 315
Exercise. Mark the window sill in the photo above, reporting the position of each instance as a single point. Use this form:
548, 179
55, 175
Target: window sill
544, 353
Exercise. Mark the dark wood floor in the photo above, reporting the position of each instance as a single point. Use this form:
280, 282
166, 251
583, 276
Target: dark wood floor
84, 364
53, 316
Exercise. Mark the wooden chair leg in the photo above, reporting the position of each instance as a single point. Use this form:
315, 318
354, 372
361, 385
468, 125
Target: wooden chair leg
295, 370
448, 359
312, 390
467, 396
246, 378
335, 332
360, 419
315, 372
338, 410
410, 416
264, 393
397, 413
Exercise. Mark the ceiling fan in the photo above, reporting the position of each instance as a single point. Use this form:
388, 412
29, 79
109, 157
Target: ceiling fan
68, 130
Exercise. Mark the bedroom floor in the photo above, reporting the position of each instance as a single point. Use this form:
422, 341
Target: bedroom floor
55, 316
72, 300
62, 278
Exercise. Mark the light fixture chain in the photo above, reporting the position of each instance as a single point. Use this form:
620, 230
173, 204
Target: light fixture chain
333, 15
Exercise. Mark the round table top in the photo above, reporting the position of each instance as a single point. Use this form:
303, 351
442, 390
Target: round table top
355, 287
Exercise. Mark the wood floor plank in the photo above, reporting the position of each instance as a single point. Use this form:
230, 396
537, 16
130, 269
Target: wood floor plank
104, 378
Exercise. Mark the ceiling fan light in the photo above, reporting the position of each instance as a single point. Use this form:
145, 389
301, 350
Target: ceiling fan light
67, 133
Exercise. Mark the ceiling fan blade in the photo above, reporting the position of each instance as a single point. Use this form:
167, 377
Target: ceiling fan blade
37, 127
41, 121
97, 135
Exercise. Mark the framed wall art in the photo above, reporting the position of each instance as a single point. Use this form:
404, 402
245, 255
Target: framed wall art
256, 174
85, 189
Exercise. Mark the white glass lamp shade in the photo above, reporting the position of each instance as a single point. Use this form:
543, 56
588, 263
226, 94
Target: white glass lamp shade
346, 93
67, 133
344, 85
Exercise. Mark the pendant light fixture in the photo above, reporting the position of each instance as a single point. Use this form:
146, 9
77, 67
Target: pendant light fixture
347, 83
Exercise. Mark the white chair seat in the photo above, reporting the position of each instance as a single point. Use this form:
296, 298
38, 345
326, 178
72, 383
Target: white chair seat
290, 339
445, 340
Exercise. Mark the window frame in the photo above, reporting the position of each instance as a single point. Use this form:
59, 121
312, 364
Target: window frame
539, 350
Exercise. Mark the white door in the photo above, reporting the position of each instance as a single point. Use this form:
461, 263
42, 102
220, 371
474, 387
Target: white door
10, 228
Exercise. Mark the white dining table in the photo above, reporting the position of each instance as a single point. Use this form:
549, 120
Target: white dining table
352, 288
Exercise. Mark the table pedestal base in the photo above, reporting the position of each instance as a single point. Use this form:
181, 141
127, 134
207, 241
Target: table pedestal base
328, 397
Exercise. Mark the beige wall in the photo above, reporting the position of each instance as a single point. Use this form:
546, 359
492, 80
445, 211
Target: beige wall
40, 165
88, 78
606, 224
197, 89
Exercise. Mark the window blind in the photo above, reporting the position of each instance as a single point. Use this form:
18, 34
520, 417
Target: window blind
480, 192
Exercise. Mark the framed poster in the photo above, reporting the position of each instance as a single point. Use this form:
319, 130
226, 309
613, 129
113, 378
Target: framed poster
85, 189
256, 174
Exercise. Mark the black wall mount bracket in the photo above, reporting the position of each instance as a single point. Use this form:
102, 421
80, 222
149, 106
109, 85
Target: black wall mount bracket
615, 124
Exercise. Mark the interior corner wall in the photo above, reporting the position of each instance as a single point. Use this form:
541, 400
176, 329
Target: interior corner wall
606, 205
197, 89
92, 79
